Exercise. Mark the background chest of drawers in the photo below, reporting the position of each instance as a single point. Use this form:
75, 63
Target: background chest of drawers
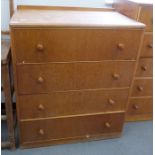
141, 101
73, 71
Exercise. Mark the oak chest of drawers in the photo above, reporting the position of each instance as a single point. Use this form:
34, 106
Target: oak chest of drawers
141, 98
73, 71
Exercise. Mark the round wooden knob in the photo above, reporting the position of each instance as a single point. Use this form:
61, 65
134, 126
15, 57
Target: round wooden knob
135, 107
87, 136
41, 107
144, 68
107, 125
120, 46
41, 132
116, 76
140, 88
40, 47
40, 80
150, 45
111, 101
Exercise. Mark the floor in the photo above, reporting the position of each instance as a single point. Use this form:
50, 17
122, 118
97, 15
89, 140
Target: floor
137, 139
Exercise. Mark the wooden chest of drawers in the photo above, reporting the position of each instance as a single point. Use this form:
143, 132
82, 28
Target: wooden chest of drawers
142, 86
73, 71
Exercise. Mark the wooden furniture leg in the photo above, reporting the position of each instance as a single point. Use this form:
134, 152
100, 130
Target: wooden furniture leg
5, 62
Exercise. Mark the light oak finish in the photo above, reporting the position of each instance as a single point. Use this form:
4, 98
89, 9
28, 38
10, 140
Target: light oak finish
147, 47
141, 10
143, 87
72, 19
76, 102
70, 69
24, 7
145, 67
140, 107
127, 8
143, 117
35, 7
71, 140
45, 44
49, 77
146, 17
70, 127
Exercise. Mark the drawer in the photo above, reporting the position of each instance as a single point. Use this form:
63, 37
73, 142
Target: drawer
146, 17
147, 46
139, 106
62, 45
45, 78
145, 67
143, 87
75, 102
70, 127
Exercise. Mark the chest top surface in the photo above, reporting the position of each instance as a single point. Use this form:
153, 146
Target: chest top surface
71, 18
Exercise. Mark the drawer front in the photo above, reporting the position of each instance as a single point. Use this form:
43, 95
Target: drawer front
146, 17
147, 47
75, 102
139, 106
70, 127
61, 45
145, 67
143, 87
45, 78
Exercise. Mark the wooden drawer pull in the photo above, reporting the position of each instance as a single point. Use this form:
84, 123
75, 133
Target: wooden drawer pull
140, 88
41, 107
135, 107
40, 80
87, 136
41, 132
144, 68
116, 76
107, 125
150, 45
40, 47
120, 46
111, 101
